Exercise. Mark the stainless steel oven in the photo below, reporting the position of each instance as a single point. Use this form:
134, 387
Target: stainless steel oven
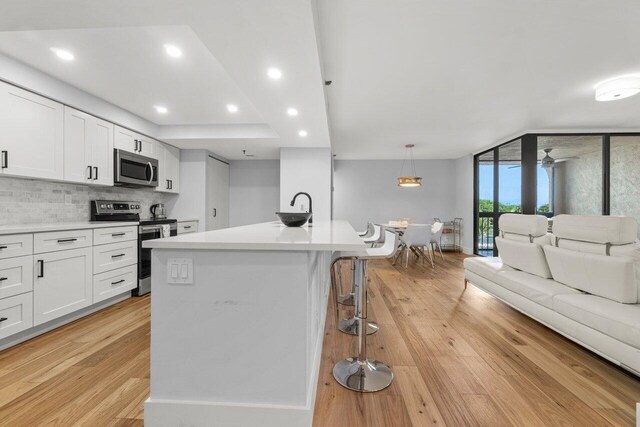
134, 170
148, 230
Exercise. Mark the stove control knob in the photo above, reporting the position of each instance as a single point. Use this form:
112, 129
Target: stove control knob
137, 206
108, 206
102, 206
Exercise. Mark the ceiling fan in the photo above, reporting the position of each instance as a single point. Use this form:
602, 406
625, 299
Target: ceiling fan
548, 162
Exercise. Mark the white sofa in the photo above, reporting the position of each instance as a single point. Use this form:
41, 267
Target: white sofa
582, 281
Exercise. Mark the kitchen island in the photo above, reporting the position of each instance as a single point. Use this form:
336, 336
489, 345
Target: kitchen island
237, 322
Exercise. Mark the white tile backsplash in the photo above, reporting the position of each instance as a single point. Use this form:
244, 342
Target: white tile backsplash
25, 201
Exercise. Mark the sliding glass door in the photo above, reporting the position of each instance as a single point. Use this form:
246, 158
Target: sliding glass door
499, 191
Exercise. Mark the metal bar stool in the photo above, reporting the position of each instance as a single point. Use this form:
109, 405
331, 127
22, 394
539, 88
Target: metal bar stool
360, 373
347, 326
374, 235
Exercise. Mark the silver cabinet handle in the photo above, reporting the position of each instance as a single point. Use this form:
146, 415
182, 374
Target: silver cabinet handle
215, 212
2, 279
5, 159
95, 169
117, 256
118, 282
41, 265
90, 172
187, 227
150, 166
117, 234
2, 319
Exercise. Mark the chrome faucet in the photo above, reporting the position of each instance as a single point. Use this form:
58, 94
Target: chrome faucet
293, 202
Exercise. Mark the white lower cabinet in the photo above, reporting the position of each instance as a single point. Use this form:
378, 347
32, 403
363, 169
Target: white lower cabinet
16, 314
16, 276
115, 282
63, 283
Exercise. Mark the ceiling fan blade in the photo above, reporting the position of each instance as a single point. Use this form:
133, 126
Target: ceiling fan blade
564, 159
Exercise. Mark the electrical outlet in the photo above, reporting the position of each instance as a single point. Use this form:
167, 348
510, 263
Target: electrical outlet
67, 199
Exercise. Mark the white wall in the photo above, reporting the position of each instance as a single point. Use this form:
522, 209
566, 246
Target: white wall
308, 170
254, 193
463, 207
367, 190
20, 74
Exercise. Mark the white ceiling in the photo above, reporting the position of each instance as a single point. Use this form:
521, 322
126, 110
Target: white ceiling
129, 67
451, 77
457, 76
227, 48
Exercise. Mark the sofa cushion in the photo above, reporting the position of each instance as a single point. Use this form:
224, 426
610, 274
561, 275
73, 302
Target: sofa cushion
596, 229
534, 288
606, 276
523, 225
620, 321
525, 256
486, 267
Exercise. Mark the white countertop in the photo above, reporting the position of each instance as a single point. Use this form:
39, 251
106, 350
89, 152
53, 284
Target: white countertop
322, 236
62, 226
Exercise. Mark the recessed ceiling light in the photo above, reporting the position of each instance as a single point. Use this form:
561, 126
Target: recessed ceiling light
618, 88
274, 73
63, 54
292, 111
161, 109
232, 108
303, 133
172, 50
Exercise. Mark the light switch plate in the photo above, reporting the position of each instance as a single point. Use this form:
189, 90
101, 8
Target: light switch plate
179, 271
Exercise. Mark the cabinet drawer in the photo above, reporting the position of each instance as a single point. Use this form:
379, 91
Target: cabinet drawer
114, 282
103, 236
114, 255
187, 227
14, 245
61, 240
16, 276
16, 314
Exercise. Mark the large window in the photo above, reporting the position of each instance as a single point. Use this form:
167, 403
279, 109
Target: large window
578, 174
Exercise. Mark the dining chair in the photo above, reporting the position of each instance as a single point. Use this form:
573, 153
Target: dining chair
436, 236
414, 239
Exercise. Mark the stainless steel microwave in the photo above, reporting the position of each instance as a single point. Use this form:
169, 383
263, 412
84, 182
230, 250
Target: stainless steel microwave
134, 170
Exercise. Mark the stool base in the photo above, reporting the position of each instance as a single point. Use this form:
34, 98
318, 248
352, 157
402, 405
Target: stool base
366, 377
350, 326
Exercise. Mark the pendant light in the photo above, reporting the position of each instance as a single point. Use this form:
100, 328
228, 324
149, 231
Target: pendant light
409, 181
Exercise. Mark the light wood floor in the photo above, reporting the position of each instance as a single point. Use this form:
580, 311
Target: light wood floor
460, 358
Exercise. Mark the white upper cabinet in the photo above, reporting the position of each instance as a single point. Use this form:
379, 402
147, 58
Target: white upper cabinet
169, 168
133, 142
88, 148
32, 134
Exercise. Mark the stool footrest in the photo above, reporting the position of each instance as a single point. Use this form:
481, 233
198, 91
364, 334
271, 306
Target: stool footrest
349, 300
350, 326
